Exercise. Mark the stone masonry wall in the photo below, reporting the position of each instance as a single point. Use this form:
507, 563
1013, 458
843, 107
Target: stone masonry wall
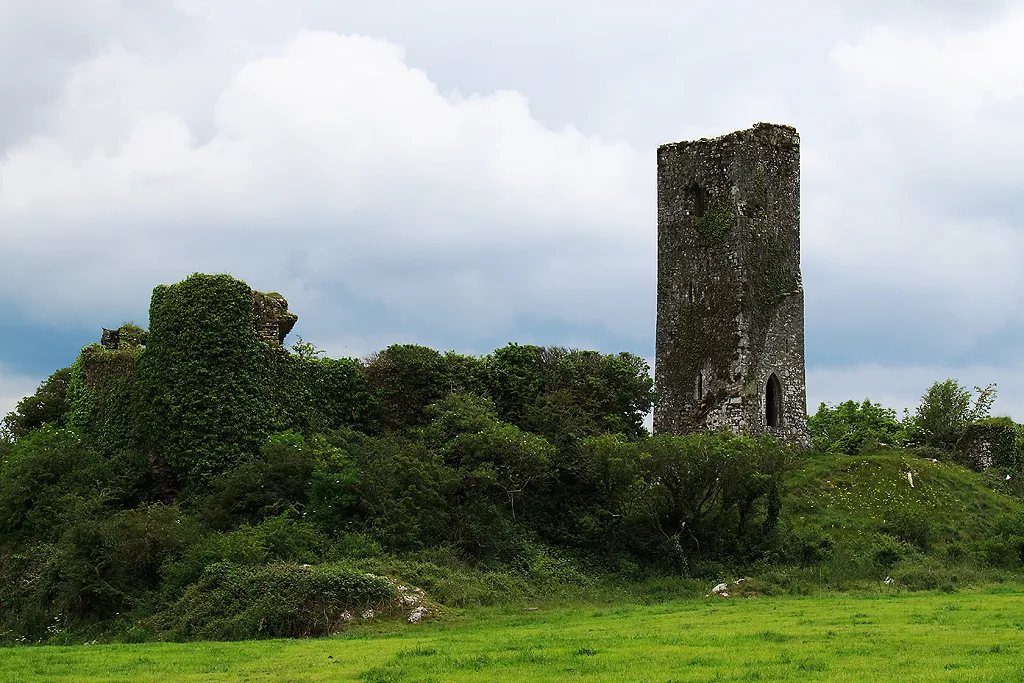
730, 298
273, 320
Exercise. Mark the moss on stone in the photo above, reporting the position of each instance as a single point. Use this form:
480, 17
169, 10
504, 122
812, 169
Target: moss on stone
717, 221
761, 191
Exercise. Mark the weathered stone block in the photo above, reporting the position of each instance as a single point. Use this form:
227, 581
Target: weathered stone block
273, 320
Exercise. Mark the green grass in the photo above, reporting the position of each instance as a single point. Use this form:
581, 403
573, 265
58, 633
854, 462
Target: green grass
920, 637
862, 521
849, 496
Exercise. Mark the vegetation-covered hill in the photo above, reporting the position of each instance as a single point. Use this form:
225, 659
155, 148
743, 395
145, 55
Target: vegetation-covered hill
198, 480
862, 519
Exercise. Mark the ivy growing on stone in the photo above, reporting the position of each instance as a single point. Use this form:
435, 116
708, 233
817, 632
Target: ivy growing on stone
204, 380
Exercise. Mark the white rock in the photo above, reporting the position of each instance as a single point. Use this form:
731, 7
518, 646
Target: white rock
719, 588
417, 615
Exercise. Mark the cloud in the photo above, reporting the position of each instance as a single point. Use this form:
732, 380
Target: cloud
902, 386
912, 214
13, 388
336, 163
940, 104
420, 196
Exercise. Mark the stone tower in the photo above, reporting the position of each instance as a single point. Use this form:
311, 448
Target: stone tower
730, 335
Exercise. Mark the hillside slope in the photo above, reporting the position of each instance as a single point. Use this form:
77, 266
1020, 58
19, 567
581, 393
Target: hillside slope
863, 516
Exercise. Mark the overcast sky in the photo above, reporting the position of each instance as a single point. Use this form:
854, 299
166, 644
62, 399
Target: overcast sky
464, 173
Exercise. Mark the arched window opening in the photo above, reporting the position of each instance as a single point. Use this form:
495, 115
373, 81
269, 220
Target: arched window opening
697, 199
773, 401
691, 291
699, 390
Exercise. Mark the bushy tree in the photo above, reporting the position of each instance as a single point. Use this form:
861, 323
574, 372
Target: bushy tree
406, 378
405, 493
51, 465
564, 394
945, 411
48, 405
503, 458
709, 490
856, 428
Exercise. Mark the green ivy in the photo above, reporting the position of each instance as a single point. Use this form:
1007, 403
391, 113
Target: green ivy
204, 378
314, 395
103, 396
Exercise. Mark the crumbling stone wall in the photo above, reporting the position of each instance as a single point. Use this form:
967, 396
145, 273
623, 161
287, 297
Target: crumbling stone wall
994, 442
273, 320
730, 330
127, 336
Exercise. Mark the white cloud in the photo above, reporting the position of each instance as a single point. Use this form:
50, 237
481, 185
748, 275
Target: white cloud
902, 386
336, 154
13, 388
217, 137
912, 211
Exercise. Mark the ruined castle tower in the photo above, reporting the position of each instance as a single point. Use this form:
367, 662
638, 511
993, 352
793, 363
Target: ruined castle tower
730, 335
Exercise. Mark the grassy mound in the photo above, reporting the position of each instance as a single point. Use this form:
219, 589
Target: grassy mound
278, 600
922, 523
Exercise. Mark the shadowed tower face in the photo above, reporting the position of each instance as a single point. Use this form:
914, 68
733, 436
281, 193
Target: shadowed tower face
730, 336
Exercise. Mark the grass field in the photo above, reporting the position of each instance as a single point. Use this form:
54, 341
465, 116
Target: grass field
909, 637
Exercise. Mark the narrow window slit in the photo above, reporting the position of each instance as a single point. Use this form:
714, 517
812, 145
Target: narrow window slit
773, 401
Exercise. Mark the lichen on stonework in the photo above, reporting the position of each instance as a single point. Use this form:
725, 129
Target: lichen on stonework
716, 222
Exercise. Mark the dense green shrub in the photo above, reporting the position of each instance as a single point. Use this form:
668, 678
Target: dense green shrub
265, 485
99, 563
910, 523
407, 378
675, 501
232, 602
501, 461
315, 395
516, 380
856, 428
50, 465
282, 538
405, 493
888, 550
563, 394
713, 492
